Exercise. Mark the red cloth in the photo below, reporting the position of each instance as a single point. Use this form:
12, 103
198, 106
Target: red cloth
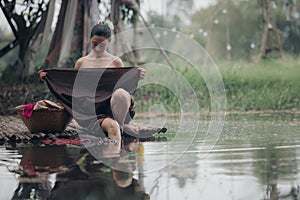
68, 141
28, 108
62, 141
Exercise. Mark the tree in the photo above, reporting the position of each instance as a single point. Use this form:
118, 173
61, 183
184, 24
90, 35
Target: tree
247, 29
227, 29
27, 19
179, 11
269, 28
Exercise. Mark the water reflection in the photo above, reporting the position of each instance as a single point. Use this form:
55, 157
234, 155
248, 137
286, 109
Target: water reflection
277, 164
253, 159
262, 155
77, 174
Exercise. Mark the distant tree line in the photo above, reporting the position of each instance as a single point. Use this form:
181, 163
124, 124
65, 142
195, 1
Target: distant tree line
229, 29
248, 29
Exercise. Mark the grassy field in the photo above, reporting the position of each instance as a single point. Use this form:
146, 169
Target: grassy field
266, 85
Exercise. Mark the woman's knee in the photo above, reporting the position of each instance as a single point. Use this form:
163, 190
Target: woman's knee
120, 95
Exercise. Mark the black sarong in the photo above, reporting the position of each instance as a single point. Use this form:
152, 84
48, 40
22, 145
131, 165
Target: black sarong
85, 93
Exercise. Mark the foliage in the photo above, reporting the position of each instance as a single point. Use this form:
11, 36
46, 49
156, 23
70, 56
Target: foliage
267, 85
16, 94
156, 20
129, 16
126, 13
270, 84
239, 23
178, 11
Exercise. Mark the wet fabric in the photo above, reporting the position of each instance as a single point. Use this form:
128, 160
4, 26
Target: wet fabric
39, 105
85, 93
28, 109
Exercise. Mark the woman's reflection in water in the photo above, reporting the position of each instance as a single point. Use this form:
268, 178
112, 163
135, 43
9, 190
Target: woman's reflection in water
36, 165
90, 178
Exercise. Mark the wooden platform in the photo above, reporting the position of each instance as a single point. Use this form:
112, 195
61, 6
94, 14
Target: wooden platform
13, 130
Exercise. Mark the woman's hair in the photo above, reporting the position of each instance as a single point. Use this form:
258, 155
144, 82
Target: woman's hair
101, 30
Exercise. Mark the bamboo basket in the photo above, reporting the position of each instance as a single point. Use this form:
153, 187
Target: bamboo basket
45, 120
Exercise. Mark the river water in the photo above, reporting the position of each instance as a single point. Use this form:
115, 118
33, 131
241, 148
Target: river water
255, 157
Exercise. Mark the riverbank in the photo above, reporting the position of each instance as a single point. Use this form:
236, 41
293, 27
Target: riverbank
268, 85
250, 87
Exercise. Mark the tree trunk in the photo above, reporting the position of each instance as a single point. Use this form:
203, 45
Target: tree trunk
269, 27
124, 47
55, 45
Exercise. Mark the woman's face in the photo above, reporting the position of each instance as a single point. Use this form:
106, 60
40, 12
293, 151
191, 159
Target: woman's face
99, 44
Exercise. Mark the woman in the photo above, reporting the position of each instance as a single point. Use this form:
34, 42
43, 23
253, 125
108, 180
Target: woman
113, 121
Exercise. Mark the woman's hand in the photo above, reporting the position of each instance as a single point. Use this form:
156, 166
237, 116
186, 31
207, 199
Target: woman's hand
142, 73
42, 74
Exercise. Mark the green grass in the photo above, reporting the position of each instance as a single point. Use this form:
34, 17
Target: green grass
266, 85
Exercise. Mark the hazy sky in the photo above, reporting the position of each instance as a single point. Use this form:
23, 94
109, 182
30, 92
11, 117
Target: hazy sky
147, 5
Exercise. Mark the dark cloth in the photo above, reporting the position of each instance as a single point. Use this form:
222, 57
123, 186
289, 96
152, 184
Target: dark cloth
86, 93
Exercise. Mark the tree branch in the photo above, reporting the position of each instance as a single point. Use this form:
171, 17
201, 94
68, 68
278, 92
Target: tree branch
8, 48
8, 17
135, 7
155, 41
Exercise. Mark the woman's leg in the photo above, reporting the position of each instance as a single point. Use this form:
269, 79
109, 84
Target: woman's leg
112, 128
120, 103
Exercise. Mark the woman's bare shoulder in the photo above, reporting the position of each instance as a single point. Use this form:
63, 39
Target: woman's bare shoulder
115, 61
118, 62
79, 62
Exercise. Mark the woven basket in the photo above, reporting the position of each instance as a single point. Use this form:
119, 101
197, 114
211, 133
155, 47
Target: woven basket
50, 120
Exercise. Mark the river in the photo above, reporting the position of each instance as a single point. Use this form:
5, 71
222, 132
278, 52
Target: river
255, 157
